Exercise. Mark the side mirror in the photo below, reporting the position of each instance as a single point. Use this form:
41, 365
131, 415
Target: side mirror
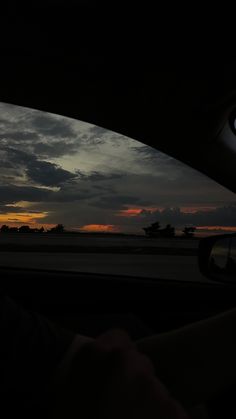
217, 257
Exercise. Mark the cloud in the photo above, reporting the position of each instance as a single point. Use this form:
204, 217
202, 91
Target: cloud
48, 174
4, 121
53, 126
84, 175
10, 194
39, 171
18, 137
147, 152
165, 191
43, 134
98, 136
67, 194
54, 148
96, 176
225, 216
71, 192
104, 228
115, 201
7, 209
95, 135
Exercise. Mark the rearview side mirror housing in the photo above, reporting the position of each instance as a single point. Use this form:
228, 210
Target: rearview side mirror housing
217, 257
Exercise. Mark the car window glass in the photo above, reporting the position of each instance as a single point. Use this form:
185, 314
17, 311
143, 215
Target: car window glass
69, 186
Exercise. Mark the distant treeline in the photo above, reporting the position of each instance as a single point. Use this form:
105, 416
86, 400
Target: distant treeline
155, 230
59, 228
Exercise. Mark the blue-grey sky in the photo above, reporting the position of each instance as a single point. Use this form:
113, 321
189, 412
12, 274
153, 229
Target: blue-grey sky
59, 170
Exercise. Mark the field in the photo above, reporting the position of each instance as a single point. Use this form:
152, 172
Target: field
112, 254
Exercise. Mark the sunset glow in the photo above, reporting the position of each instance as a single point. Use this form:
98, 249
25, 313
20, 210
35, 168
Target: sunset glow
132, 212
103, 228
58, 170
19, 218
218, 228
193, 210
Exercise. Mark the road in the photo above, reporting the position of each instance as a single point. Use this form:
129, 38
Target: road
152, 266
86, 240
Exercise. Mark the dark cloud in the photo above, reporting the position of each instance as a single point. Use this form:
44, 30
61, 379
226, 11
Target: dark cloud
225, 216
10, 194
4, 209
131, 176
54, 148
78, 214
18, 157
116, 201
167, 191
18, 137
72, 192
162, 162
4, 121
42, 134
96, 176
48, 174
38, 171
48, 125
16, 209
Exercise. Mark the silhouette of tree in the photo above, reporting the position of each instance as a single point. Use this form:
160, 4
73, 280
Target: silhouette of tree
189, 231
59, 228
152, 230
168, 231
4, 228
13, 230
24, 229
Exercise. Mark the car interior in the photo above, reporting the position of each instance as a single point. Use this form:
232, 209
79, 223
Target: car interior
139, 89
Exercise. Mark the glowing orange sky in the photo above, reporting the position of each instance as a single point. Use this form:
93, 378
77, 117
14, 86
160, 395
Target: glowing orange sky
132, 212
21, 217
36, 219
103, 228
210, 228
16, 219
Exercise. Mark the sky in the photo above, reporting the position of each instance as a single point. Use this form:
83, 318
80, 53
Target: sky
60, 170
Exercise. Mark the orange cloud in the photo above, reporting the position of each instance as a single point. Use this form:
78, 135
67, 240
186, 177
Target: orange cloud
193, 210
16, 219
132, 212
103, 228
218, 228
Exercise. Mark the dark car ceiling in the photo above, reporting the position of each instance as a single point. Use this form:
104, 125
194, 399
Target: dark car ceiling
127, 71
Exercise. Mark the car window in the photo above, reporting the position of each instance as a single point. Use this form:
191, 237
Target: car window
104, 202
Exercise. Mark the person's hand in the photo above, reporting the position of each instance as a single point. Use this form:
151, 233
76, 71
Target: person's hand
108, 378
